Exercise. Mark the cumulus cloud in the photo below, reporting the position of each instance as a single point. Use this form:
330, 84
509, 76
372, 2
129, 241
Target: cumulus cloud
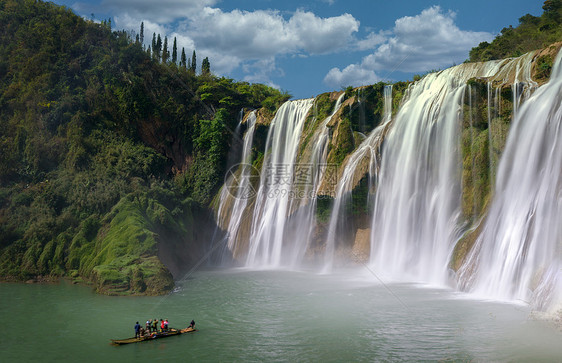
130, 23
161, 11
372, 40
418, 43
352, 75
261, 71
428, 40
256, 38
265, 33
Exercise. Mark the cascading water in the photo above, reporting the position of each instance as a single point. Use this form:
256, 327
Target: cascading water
416, 208
520, 247
273, 201
302, 222
238, 187
366, 150
518, 73
417, 204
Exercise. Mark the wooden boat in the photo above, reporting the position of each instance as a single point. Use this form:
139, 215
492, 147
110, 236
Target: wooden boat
153, 336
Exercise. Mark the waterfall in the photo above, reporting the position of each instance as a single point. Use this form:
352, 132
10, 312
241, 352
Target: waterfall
311, 170
239, 187
368, 149
518, 254
417, 204
274, 196
517, 72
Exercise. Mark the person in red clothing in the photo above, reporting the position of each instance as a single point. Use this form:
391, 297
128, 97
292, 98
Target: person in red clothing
161, 325
166, 324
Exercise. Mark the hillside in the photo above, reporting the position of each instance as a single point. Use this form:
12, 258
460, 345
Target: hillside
533, 32
108, 157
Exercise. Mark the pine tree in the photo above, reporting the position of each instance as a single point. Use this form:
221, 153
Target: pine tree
154, 46
142, 33
183, 61
193, 62
165, 53
206, 66
158, 49
175, 52
149, 51
189, 64
137, 39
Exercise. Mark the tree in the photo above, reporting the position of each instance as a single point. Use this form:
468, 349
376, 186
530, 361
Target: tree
183, 61
158, 49
165, 53
206, 66
153, 45
552, 9
142, 33
193, 62
175, 52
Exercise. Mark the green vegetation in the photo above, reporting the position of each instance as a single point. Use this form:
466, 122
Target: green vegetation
102, 144
532, 33
322, 108
324, 205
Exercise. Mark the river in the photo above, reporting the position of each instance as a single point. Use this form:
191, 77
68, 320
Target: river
245, 315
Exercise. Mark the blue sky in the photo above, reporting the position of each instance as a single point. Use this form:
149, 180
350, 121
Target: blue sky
316, 46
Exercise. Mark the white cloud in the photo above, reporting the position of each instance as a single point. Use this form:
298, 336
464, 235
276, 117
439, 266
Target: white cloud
372, 40
261, 71
265, 33
322, 35
425, 41
256, 38
418, 43
352, 75
161, 11
130, 23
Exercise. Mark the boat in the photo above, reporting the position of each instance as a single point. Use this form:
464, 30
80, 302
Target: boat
153, 336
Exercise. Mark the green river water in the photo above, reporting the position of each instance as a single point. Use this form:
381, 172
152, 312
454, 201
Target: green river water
248, 316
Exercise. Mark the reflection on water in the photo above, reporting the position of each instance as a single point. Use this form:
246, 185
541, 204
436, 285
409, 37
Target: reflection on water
273, 316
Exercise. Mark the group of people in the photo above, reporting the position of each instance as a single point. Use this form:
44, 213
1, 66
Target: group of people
151, 327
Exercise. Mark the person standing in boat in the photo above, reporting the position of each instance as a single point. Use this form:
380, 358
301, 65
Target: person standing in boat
192, 324
137, 330
161, 325
155, 325
148, 325
166, 324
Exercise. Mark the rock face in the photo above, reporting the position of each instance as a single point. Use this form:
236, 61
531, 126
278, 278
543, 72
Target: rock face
362, 245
